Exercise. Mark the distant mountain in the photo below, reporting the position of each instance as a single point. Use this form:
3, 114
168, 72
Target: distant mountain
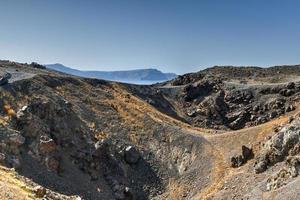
130, 76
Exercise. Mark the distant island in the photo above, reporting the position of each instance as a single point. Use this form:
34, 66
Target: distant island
139, 76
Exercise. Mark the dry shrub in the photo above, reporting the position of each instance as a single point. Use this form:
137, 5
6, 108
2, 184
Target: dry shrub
176, 190
3, 122
114, 106
133, 138
101, 136
9, 111
129, 112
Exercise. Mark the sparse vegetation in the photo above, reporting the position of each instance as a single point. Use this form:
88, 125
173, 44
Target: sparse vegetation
176, 190
101, 136
36, 65
153, 150
9, 111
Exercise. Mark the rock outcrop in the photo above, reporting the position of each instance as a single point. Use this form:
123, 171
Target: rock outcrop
131, 155
247, 154
4, 79
283, 144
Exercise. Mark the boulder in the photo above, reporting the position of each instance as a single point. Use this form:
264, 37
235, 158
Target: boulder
279, 103
40, 191
46, 145
15, 162
290, 85
129, 193
238, 123
94, 176
102, 148
286, 92
237, 161
261, 120
191, 113
2, 157
278, 180
273, 114
16, 139
289, 108
256, 108
131, 155
275, 89
291, 118
52, 164
247, 153
4, 79
294, 164
260, 167
252, 118
20, 113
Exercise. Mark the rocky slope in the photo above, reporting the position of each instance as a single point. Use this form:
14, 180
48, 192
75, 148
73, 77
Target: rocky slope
200, 136
233, 98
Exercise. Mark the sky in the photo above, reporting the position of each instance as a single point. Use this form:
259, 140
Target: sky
170, 35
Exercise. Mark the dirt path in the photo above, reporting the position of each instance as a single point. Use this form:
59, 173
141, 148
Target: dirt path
16, 75
229, 143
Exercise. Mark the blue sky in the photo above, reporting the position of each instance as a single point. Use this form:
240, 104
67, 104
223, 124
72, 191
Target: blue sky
173, 36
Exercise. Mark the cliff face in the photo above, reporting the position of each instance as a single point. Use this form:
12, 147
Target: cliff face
94, 139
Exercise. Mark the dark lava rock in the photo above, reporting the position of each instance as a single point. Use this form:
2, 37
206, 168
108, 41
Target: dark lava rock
290, 85
102, 148
131, 155
247, 154
2, 157
239, 97
256, 108
192, 113
52, 164
260, 167
16, 139
289, 108
5, 78
46, 145
273, 114
237, 161
15, 162
261, 120
129, 194
240, 121
286, 92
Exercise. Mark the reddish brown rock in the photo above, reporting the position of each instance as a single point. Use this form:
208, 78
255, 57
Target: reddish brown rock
52, 164
40, 191
47, 145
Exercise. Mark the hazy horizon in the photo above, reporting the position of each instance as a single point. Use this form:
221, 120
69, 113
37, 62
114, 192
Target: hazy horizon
82, 69
171, 36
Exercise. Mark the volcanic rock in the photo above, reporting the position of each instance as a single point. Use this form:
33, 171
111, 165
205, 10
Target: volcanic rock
46, 145
131, 155
39, 191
